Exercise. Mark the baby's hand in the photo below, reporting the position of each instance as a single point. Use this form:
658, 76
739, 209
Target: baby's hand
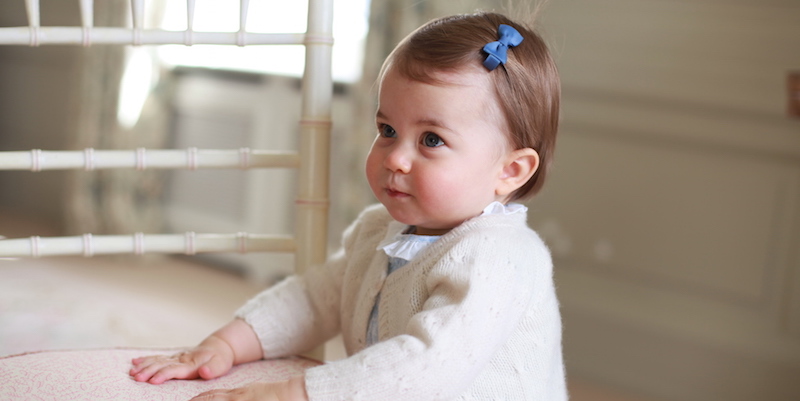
292, 390
209, 360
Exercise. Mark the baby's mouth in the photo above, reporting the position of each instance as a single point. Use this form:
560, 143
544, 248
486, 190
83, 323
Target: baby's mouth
396, 194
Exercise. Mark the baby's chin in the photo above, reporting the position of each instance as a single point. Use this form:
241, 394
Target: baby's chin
424, 226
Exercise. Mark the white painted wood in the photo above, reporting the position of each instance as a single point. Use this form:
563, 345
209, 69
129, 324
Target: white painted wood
142, 159
140, 244
126, 36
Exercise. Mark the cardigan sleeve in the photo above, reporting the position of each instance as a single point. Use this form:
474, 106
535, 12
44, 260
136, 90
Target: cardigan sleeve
287, 321
302, 312
478, 292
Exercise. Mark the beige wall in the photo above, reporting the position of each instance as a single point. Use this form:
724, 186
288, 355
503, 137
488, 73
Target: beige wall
673, 212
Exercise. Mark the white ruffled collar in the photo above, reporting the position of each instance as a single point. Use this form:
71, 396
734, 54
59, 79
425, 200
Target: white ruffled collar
398, 244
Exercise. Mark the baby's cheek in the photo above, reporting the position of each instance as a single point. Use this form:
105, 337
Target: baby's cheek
438, 196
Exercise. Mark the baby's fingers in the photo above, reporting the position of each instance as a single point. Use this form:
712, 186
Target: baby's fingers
140, 364
159, 373
144, 362
219, 394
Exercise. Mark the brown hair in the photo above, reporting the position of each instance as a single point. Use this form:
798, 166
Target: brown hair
527, 86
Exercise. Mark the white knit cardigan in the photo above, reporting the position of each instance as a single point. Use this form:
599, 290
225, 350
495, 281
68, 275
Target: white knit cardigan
472, 317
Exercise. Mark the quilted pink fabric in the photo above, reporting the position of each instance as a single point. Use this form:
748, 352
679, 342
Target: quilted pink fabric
103, 375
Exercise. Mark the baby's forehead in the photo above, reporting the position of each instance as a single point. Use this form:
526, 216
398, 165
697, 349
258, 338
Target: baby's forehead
472, 79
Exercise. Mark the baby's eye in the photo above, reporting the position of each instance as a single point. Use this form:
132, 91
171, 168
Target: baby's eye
432, 140
386, 131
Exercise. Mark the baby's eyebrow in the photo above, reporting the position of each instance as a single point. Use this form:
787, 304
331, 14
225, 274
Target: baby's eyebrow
426, 121
432, 121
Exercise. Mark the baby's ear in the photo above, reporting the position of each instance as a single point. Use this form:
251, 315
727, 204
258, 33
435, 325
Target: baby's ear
519, 167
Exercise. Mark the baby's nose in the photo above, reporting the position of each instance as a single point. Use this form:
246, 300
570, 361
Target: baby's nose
398, 160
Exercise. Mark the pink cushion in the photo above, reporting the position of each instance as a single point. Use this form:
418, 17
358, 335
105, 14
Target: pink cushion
103, 375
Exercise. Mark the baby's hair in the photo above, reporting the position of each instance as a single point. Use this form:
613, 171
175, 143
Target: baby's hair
527, 86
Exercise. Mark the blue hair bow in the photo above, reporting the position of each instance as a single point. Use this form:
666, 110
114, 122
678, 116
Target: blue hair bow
497, 51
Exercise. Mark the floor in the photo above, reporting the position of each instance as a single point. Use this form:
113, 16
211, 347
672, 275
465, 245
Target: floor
123, 301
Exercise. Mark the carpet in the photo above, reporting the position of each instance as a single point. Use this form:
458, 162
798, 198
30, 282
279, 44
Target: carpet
45, 305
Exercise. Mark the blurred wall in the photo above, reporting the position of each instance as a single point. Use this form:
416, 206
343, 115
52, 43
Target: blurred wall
673, 211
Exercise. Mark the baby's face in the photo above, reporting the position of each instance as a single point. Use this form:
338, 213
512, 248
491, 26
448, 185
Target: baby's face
440, 149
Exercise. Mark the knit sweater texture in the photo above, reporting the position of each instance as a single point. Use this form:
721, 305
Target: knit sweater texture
472, 317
